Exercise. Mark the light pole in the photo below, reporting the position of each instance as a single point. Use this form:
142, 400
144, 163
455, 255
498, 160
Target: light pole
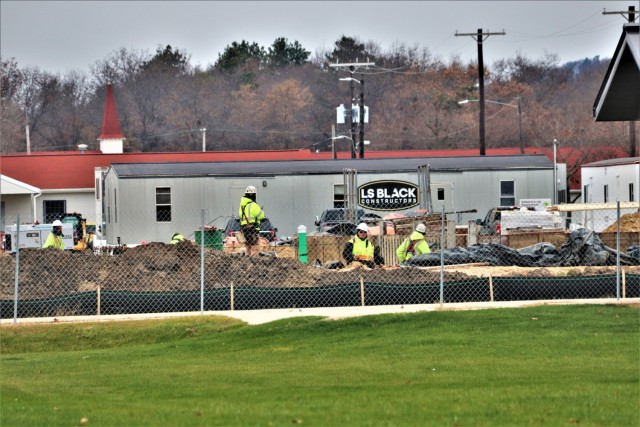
555, 172
516, 106
333, 146
361, 114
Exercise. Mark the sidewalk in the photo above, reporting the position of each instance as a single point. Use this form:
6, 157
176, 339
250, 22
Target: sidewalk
257, 317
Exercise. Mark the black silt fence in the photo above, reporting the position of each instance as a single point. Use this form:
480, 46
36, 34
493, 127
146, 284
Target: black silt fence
386, 294
269, 298
549, 288
118, 302
478, 290
80, 304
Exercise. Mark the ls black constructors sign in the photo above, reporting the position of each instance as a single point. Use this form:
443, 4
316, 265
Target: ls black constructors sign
388, 195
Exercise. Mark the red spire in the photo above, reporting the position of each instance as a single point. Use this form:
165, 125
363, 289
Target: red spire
110, 123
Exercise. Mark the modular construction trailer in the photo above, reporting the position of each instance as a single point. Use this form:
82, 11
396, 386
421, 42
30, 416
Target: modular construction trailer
151, 201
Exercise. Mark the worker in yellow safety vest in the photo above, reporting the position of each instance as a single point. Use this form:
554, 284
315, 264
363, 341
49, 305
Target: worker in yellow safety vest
413, 245
55, 237
359, 248
176, 238
250, 214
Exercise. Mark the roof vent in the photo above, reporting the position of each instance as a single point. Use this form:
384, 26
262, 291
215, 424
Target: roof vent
82, 148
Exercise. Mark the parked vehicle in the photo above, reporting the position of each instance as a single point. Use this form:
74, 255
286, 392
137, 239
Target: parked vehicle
337, 221
267, 230
82, 235
503, 218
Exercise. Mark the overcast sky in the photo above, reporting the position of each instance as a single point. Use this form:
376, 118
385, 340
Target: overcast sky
59, 36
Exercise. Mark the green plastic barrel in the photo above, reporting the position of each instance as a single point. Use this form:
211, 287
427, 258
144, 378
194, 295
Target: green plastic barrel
212, 239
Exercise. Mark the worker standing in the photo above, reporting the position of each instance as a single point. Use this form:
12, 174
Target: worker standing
413, 245
55, 237
176, 238
251, 214
359, 248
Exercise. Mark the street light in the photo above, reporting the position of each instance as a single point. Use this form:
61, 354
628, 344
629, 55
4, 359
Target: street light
333, 144
516, 106
353, 131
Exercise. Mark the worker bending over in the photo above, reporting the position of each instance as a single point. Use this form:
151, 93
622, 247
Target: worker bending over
176, 238
359, 248
413, 245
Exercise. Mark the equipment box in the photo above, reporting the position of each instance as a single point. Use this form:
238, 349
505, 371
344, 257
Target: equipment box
34, 236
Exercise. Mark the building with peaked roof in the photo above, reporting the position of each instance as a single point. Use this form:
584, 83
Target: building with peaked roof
111, 138
17, 197
619, 96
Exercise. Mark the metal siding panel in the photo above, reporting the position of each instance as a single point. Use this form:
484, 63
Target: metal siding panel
292, 200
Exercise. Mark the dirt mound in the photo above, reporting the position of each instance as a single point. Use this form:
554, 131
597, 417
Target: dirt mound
159, 267
628, 223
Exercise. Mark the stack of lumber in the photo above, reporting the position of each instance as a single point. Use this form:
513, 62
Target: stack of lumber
404, 226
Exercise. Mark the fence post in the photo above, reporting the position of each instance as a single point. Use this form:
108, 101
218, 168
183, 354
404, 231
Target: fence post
618, 250
15, 291
442, 259
361, 290
202, 237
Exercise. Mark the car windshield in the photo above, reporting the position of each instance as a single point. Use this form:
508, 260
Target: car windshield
338, 215
70, 220
234, 225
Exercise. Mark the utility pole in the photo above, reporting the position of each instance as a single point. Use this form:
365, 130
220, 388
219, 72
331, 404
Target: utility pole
361, 117
520, 125
352, 69
26, 117
633, 148
353, 124
333, 142
480, 37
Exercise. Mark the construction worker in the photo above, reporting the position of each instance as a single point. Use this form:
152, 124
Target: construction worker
359, 248
176, 238
55, 237
413, 245
250, 214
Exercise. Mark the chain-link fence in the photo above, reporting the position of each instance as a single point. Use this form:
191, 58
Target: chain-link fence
514, 255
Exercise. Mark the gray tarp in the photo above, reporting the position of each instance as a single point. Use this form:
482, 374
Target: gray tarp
584, 248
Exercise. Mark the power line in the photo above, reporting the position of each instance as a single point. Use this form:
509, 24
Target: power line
480, 37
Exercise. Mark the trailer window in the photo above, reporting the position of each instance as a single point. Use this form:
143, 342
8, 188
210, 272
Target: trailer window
507, 193
338, 196
53, 209
163, 204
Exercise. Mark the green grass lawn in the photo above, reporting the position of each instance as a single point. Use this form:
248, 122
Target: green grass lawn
548, 365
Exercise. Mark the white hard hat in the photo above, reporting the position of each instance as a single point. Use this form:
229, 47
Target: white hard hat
421, 228
362, 226
57, 223
250, 190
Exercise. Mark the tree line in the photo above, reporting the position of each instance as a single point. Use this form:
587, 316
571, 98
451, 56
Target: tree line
283, 97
